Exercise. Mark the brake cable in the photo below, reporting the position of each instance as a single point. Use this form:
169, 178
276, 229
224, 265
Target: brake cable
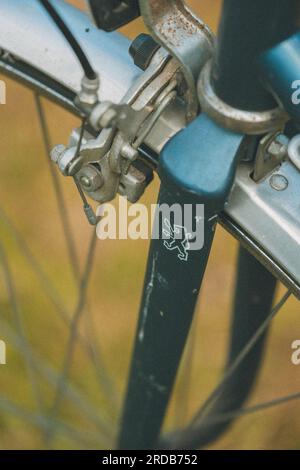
90, 75
80, 54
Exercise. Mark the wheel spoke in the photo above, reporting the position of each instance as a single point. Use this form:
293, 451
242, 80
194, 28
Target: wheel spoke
78, 435
62, 382
68, 356
63, 212
200, 416
102, 423
18, 321
53, 295
223, 417
94, 350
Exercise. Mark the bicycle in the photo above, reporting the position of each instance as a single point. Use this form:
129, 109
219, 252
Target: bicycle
143, 121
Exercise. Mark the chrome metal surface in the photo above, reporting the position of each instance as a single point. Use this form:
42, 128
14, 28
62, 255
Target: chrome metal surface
133, 184
138, 113
270, 217
294, 151
175, 27
88, 95
256, 250
271, 151
252, 123
123, 129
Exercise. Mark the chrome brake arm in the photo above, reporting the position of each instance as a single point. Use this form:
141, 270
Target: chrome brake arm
125, 128
185, 36
138, 121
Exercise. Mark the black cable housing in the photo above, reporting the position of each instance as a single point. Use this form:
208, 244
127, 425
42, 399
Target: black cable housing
88, 70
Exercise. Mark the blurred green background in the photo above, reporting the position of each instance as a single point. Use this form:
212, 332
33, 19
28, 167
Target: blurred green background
27, 197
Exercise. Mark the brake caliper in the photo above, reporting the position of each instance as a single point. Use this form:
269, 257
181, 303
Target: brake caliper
109, 163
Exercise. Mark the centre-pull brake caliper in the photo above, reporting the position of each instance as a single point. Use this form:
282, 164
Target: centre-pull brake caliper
106, 165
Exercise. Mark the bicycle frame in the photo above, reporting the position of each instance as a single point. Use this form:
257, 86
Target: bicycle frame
110, 59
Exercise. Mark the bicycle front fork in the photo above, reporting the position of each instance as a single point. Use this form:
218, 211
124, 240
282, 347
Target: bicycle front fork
175, 270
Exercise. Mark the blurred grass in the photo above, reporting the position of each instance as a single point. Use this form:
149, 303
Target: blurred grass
27, 195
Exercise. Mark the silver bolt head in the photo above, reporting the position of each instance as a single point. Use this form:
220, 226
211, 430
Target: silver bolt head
86, 182
57, 152
90, 178
278, 182
63, 157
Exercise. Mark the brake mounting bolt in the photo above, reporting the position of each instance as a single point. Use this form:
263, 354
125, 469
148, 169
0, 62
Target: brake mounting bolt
142, 49
90, 178
57, 152
85, 181
279, 182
